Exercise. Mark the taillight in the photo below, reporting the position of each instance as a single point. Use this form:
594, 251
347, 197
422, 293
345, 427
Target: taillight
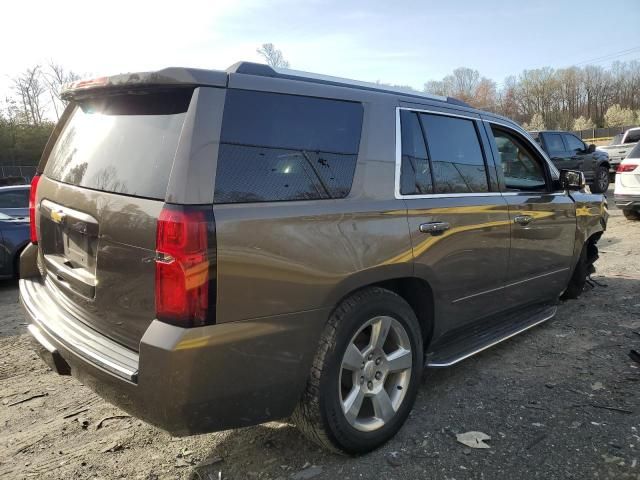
186, 266
626, 167
32, 208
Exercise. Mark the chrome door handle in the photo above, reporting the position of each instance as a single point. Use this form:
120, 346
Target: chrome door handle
523, 220
434, 228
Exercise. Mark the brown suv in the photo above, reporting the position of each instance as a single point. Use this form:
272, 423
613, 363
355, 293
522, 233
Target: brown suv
214, 249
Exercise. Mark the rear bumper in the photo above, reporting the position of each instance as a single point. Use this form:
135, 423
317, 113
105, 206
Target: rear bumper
627, 201
185, 381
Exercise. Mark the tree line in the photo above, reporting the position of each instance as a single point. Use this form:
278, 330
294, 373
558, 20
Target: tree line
573, 98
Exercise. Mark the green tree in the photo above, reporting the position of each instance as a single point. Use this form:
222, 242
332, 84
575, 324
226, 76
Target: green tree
582, 123
536, 123
616, 116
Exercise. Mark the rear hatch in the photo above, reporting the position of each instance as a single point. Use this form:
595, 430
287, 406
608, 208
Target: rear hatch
99, 198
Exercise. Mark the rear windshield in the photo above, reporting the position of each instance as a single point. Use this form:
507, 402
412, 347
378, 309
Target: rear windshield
632, 136
121, 143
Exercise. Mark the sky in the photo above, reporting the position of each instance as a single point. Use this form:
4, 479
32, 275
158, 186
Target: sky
399, 42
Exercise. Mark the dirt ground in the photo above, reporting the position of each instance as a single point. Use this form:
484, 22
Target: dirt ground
560, 401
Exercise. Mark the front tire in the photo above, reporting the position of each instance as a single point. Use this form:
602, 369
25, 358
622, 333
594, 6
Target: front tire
601, 180
631, 214
365, 375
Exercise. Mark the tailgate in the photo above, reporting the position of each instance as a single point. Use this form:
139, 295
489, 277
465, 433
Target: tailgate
98, 200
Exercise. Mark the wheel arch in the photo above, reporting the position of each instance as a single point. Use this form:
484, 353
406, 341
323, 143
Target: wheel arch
417, 292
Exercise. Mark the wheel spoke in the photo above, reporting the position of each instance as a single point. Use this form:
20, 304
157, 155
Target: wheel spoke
353, 403
353, 358
382, 406
399, 360
379, 332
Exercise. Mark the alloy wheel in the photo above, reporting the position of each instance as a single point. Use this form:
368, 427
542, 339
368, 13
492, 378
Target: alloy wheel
375, 373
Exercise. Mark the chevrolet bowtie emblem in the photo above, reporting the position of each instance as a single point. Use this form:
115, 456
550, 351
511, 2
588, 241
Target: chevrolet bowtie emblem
57, 216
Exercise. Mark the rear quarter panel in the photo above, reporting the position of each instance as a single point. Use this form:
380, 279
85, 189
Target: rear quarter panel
591, 217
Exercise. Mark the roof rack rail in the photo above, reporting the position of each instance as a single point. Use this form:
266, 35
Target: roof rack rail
260, 69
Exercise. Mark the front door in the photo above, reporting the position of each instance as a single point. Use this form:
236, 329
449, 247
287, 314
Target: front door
543, 221
458, 221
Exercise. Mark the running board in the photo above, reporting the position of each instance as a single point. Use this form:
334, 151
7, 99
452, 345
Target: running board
483, 335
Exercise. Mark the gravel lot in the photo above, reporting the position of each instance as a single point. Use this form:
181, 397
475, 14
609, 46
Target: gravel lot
561, 401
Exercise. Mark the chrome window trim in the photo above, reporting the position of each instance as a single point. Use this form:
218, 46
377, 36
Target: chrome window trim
398, 166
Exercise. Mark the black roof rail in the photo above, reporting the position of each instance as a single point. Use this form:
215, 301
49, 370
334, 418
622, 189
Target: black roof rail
260, 69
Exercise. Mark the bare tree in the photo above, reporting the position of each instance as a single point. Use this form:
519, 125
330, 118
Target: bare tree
30, 90
56, 77
272, 56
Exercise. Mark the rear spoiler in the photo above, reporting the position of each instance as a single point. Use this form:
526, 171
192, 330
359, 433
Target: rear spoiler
168, 77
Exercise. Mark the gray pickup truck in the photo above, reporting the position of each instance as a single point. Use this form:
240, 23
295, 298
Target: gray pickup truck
620, 146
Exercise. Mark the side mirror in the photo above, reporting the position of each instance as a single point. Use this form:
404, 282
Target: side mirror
572, 180
591, 148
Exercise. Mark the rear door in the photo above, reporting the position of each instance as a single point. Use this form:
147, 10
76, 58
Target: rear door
458, 220
542, 221
558, 152
99, 198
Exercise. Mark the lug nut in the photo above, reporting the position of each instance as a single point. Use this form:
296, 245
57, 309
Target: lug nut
361, 380
378, 375
378, 361
370, 356
370, 385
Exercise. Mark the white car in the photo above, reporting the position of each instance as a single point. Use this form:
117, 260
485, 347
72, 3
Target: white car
627, 190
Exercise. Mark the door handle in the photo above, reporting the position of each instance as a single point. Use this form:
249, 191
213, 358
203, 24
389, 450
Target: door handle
434, 228
523, 220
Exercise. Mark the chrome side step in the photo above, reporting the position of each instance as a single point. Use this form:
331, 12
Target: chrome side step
478, 339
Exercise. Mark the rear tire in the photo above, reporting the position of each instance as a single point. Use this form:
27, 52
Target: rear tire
360, 392
631, 214
601, 180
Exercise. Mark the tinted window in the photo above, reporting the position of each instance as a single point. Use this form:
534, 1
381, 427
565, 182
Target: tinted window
14, 198
632, 136
121, 143
415, 174
521, 168
455, 153
574, 144
554, 143
284, 147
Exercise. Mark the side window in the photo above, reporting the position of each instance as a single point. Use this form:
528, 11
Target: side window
522, 169
554, 144
14, 199
456, 157
415, 172
276, 147
574, 144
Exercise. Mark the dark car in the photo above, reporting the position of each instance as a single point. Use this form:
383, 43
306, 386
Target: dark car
14, 236
215, 249
567, 151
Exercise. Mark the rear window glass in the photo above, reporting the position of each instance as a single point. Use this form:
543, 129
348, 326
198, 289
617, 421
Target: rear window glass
18, 198
276, 147
632, 136
121, 143
635, 152
554, 143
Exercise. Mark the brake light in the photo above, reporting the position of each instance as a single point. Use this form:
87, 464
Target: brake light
626, 167
185, 266
32, 209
